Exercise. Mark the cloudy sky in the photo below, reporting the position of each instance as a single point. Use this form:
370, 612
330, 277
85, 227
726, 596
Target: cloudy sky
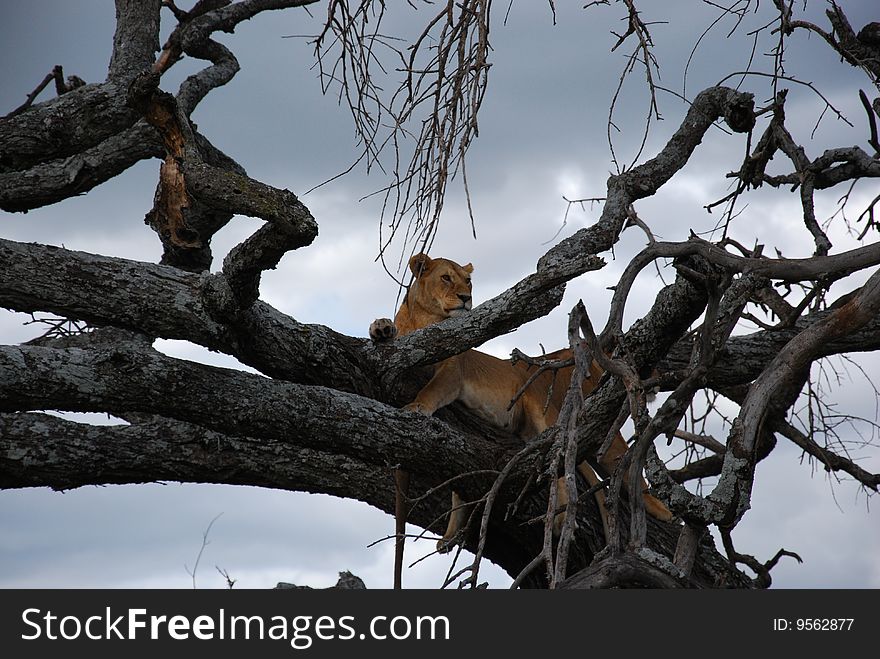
542, 138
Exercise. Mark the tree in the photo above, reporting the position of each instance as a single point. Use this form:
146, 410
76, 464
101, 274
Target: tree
328, 406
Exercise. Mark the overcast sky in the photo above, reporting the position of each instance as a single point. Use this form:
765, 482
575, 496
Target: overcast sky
542, 137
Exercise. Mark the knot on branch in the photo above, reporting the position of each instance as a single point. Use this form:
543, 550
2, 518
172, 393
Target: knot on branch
740, 113
218, 296
141, 89
702, 272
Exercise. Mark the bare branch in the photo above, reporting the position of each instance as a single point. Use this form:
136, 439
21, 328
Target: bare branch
445, 74
61, 87
644, 180
706, 441
733, 491
829, 460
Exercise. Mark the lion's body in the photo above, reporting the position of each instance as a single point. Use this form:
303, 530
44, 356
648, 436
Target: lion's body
483, 383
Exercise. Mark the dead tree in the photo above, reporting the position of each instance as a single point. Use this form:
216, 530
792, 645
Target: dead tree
191, 422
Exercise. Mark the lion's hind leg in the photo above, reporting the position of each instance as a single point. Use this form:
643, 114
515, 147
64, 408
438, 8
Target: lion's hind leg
456, 523
653, 505
562, 497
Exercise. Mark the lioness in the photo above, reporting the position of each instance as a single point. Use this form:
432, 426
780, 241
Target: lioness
486, 384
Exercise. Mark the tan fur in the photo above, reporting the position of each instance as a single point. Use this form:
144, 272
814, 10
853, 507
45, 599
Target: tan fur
486, 384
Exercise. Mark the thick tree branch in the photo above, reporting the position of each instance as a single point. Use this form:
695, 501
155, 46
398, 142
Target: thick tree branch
64, 126
169, 303
128, 378
628, 570
54, 180
263, 250
137, 37
39, 450
70, 455
166, 302
744, 357
71, 144
75, 122
153, 299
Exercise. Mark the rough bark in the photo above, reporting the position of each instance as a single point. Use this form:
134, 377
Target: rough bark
233, 427
326, 419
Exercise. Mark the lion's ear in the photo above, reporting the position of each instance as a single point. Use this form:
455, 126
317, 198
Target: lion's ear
468, 268
419, 264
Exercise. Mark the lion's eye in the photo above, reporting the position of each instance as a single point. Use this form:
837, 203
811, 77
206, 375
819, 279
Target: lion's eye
446, 278
469, 282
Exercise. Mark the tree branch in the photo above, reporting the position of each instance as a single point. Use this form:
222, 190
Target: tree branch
71, 144
733, 491
136, 40
531, 298
737, 108
827, 458
124, 378
166, 302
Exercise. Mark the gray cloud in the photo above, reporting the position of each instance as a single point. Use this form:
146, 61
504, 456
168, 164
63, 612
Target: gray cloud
543, 135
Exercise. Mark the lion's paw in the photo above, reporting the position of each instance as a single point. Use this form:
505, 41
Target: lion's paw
445, 545
382, 330
418, 408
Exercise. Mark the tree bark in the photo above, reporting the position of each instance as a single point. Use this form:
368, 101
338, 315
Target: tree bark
323, 415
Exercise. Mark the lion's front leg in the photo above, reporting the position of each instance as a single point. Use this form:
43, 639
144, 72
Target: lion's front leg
426, 403
443, 389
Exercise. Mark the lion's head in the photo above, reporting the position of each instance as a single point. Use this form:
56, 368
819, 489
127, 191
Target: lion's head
441, 289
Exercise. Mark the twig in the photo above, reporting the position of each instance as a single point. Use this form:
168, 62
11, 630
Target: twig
57, 74
527, 570
706, 441
230, 582
205, 543
872, 122
762, 570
